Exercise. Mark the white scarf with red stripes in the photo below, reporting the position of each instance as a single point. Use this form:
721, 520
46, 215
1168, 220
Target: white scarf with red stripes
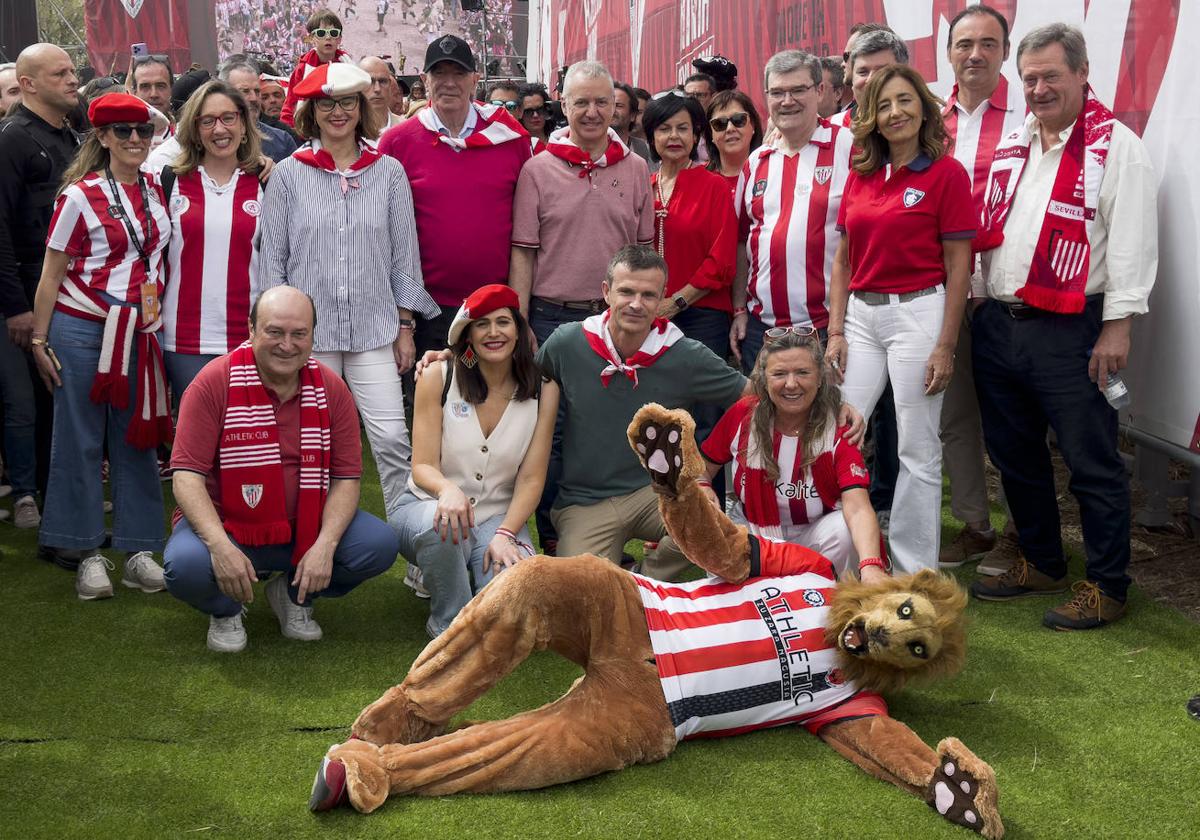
313, 155
662, 335
252, 496
563, 147
494, 126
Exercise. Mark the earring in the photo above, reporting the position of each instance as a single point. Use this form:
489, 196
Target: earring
468, 357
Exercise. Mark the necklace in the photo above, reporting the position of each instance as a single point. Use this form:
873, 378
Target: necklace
663, 200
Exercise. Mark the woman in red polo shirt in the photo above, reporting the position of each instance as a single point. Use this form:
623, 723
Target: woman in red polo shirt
899, 286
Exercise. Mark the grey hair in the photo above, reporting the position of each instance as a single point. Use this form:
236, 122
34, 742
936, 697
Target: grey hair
787, 61
1073, 44
8, 65
869, 43
233, 66
585, 70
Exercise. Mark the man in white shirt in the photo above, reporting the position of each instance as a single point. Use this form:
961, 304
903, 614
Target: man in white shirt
1070, 254
379, 92
978, 113
868, 51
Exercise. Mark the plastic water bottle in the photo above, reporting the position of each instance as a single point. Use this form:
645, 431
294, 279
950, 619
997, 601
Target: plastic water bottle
1116, 392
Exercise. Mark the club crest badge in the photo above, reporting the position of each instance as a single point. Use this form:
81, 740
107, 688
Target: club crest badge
912, 197
822, 174
460, 409
132, 7
760, 187
251, 207
252, 494
814, 598
446, 45
114, 211
179, 205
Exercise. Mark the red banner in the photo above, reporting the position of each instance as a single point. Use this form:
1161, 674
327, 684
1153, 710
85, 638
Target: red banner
113, 25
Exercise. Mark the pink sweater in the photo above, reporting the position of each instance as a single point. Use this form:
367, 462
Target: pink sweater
463, 202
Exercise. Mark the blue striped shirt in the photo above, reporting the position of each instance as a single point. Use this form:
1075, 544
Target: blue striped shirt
355, 254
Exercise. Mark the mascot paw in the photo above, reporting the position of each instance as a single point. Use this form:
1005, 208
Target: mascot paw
659, 446
963, 790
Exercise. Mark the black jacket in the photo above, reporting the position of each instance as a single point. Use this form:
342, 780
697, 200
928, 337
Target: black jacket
33, 157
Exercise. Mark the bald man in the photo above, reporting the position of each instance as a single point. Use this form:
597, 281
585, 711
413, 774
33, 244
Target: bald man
36, 146
10, 91
268, 482
379, 94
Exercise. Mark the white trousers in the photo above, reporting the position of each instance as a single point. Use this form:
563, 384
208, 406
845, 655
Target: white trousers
375, 384
829, 536
893, 341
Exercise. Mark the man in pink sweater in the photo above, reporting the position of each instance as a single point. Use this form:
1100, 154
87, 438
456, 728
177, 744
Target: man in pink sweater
462, 159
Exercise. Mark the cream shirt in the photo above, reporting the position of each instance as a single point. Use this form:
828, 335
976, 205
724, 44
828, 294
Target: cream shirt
1124, 243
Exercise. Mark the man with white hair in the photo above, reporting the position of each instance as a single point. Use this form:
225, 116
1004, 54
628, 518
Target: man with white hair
577, 205
379, 93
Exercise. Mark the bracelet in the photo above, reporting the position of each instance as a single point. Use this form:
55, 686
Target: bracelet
871, 561
515, 540
832, 333
38, 340
739, 310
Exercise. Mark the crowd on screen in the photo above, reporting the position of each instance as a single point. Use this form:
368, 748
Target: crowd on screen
218, 280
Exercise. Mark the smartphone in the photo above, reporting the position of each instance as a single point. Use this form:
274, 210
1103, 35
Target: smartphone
139, 50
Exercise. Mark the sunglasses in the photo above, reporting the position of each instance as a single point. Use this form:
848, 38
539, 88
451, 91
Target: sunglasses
327, 33
662, 94
122, 130
347, 103
776, 333
737, 120
543, 111
158, 58
229, 118
510, 104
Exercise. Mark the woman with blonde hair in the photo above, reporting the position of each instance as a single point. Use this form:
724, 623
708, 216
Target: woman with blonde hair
795, 477
900, 279
214, 199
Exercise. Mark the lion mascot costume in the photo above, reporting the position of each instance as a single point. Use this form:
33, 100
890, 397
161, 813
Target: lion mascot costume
768, 638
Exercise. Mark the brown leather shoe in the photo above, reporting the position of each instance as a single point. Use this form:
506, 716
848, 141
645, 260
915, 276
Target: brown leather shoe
1021, 580
1090, 608
1001, 558
967, 546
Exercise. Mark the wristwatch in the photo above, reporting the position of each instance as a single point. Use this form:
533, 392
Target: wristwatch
680, 302
408, 324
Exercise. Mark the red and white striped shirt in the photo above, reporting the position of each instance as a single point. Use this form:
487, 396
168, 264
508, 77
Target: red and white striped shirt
977, 134
735, 657
211, 262
800, 495
86, 228
787, 209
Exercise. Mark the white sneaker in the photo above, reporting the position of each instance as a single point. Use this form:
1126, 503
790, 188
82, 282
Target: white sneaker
91, 581
295, 621
25, 513
415, 580
226, 635
141, 572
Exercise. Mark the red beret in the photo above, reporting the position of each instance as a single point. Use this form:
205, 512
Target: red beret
118, 108
483, 301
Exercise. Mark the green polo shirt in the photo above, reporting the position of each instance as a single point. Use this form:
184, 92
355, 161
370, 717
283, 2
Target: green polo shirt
597, 460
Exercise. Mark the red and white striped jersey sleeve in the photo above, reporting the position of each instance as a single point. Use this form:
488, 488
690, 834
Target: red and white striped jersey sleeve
976, 135
212, 263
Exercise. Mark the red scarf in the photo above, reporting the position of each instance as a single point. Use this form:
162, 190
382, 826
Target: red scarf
1059, 272
493, 127
252, 498
662, 335
313, 155
309, 61
563, 147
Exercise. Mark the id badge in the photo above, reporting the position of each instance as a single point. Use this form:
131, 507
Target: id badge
150, 307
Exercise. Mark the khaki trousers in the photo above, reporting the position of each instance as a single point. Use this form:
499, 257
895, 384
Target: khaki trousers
962, 437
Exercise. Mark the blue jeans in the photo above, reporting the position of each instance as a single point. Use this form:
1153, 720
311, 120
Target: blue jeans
20, 416
452, 573
711, 328
544, 318
1031, 374
366, 549
182, 369
73, 516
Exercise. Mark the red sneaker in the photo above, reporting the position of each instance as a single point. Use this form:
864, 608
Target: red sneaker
329, 787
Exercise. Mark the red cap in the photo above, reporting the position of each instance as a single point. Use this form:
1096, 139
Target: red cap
482, 302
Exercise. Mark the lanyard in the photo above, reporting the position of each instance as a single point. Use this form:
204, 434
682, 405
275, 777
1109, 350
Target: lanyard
117, 211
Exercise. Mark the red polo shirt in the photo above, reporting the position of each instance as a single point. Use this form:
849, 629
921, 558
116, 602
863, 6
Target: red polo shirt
895, 226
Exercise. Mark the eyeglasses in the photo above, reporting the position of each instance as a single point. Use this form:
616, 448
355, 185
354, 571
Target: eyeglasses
157, 58
779, 94
327, 33
229, 118
776, 333
510, 104
347, 103
122, 130
737, 120
668, 92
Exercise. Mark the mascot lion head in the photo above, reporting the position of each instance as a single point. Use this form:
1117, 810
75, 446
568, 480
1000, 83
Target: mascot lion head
906, 627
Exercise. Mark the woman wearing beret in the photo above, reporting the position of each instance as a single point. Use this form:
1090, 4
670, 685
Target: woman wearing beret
481, 442
95, 340
338, 224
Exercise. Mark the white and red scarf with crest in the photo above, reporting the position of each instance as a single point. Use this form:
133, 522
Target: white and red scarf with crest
493, 127
1058, 275
662, 335
563, 147
252, 497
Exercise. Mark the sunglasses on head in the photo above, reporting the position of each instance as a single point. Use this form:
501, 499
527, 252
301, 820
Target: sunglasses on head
776, 333
122, 130
327, 33
506, 103
737, 120
668, 92
159, 58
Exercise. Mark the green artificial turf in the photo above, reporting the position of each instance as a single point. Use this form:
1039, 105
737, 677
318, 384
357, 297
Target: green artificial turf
116, 721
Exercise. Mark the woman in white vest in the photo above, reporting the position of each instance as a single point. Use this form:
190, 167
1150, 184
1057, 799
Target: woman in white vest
482, 425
